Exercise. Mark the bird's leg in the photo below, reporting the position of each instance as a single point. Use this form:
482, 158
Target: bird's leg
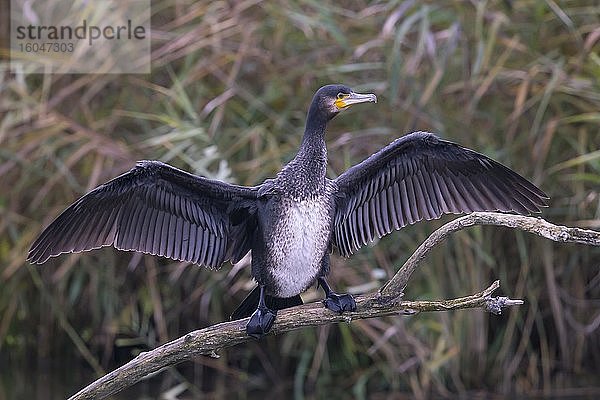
336, 302
262, 319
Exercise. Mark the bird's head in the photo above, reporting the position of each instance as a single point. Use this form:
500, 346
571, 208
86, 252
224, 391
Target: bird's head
330, 100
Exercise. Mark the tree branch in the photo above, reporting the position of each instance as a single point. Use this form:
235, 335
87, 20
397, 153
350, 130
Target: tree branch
386, 301
395, 287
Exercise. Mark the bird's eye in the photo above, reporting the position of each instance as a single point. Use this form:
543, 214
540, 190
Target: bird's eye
341, 95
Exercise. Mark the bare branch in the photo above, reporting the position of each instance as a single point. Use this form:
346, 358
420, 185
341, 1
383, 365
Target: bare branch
209, 340
564, 234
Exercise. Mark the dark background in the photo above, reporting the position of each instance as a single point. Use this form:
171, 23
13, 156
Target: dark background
227, 97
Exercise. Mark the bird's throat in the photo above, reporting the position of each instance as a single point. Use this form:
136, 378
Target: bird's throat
313, 141
305, 174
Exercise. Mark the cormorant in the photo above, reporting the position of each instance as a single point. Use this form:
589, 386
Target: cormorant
290, 222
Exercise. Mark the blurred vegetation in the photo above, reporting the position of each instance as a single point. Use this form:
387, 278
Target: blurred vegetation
230, 84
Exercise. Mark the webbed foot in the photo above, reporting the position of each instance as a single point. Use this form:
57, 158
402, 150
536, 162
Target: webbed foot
340, 303
262, 319
260, 322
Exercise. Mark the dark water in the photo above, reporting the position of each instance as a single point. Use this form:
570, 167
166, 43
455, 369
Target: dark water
58, 380
26, 380
49, 380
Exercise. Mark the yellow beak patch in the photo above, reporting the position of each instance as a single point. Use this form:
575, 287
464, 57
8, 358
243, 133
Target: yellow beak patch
340, 103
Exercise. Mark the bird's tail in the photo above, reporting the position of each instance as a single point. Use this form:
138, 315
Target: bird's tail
250, 303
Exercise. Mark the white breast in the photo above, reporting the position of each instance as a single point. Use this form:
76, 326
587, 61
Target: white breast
299, 240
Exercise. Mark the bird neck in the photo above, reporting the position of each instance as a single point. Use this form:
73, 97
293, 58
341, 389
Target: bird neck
304, 176
316, 120
312, 148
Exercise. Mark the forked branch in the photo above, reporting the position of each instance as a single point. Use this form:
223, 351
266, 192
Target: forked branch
558, 233
386, 301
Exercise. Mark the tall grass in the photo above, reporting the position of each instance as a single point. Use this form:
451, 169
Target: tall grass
227, 98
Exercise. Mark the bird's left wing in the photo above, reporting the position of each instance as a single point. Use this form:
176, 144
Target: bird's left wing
420, 176
156, 209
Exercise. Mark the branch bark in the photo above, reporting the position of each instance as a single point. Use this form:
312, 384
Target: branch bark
395, 287
386, 301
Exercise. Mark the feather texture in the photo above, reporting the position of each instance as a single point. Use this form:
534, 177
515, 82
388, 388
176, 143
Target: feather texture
155, 209
420, 176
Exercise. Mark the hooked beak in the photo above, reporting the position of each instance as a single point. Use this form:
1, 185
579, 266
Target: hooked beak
355, 98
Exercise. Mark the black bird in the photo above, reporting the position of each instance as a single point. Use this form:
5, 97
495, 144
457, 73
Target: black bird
290, 222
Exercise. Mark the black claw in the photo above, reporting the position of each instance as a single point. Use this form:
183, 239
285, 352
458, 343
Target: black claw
340, 303
260, 322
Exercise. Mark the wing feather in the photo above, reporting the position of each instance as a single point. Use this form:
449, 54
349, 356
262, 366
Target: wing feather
420, 176
157, 209
392, 205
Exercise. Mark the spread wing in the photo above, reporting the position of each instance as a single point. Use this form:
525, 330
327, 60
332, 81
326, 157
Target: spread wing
420, 176
156, 209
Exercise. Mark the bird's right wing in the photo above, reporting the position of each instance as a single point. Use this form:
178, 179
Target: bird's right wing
156, 209
420, 176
